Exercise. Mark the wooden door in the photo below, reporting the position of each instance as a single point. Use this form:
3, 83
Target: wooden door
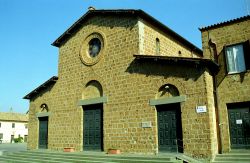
239, 126
169, 128
43, 132
92, 127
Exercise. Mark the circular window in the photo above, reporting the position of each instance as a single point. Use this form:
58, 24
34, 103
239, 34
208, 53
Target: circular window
92, 48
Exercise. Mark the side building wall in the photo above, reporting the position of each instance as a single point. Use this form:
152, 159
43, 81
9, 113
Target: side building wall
231, 88
7, 130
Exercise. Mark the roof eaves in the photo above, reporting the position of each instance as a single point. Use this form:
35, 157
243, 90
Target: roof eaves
236, 20
211, 65
41, 87
57, 42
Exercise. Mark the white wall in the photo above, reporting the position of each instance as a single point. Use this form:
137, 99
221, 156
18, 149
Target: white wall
7, 130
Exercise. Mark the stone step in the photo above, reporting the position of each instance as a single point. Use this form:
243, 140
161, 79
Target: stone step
228, 161
231, 159
8, 159
241, 156
79, 160
65, 155
101, 155
234, 156
55, 157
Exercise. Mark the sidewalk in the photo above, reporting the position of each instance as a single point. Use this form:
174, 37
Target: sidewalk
12, 147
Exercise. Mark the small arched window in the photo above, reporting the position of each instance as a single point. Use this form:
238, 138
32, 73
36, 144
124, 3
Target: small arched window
157, 46
44, 108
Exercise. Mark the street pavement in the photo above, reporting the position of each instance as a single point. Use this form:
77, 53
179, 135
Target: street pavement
12, 147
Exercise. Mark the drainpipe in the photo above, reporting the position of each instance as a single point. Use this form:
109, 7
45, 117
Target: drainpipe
218, 125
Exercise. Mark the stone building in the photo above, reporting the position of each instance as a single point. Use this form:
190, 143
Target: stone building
126, 81
227, 43
13, 125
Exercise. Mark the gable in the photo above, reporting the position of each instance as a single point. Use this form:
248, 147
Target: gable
122, 12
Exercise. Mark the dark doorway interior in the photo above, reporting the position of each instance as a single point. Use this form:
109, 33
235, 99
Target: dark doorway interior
93, 127
25, 138
12, 139
43, 132
169, 128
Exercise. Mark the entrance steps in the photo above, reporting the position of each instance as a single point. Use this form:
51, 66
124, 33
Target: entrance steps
82, 157
235, 156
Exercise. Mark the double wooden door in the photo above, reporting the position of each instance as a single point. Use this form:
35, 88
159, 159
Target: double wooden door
239, 126
169, 128
92, 127
43, 132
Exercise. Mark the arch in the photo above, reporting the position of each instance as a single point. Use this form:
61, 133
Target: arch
167, 94
44, 107
167, 90
44, 111
93, 89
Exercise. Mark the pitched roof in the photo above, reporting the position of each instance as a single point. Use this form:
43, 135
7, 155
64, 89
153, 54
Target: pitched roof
43, 86
211, 65
16, 117
240, 19
140, 13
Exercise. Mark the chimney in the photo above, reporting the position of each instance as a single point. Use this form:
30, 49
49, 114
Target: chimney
91, 8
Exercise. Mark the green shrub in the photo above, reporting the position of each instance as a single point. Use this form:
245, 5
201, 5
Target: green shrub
18, 140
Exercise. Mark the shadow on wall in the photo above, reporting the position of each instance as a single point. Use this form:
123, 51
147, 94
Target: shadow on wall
167, 69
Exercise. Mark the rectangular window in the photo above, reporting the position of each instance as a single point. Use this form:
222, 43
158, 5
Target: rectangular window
1, 136
13, 125
235, 59
0, 124
26, 126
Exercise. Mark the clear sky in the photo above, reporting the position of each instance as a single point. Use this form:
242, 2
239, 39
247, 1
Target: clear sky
28, 27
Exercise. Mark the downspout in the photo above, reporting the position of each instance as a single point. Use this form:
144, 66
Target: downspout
215, 92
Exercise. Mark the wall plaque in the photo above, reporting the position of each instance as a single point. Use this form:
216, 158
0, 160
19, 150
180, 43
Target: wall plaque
201, 109
238, 121
146, 124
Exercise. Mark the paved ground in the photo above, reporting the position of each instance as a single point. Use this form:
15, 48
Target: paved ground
13, 147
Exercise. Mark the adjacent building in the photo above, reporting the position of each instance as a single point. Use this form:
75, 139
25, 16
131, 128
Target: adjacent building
227, 43
126, 81
13, 125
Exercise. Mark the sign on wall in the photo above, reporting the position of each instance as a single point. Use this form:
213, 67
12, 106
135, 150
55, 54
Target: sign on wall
201, 109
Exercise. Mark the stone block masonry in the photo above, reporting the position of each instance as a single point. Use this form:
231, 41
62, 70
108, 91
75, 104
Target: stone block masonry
128, 84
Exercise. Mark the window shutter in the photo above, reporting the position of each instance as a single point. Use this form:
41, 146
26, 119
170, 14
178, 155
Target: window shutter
223, 67
247, 54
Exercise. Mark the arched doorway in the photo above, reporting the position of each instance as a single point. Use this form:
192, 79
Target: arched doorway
43, 126
92, 105
169, 119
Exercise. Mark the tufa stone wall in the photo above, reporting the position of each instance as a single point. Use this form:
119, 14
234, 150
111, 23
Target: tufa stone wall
231, 88
169, 46
129, 84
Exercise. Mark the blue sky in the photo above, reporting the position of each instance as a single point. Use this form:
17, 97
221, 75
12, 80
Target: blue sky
28, 27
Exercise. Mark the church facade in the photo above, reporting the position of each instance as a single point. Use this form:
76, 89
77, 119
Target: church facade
126, 81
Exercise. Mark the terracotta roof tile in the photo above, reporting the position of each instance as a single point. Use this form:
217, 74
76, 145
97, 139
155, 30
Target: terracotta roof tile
16, 117
225, 23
